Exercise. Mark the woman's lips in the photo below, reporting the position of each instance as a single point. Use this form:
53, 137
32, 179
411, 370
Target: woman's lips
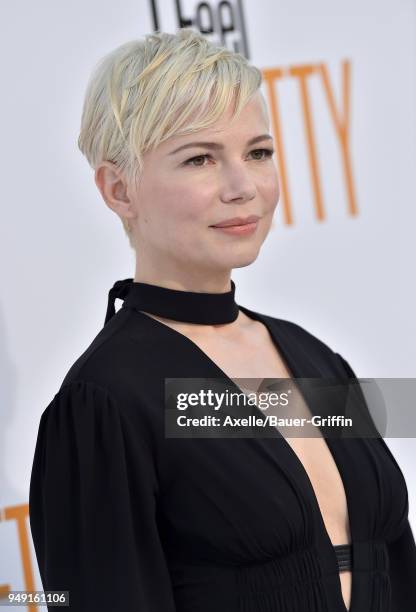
238, 230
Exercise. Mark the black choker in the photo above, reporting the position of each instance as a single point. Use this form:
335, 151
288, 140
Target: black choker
189, 306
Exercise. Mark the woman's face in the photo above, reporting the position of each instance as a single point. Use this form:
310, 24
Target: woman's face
184, 190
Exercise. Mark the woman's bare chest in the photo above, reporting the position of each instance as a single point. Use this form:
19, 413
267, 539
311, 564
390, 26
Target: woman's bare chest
255, 356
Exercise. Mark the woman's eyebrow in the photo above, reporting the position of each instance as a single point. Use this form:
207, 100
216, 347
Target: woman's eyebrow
218, 146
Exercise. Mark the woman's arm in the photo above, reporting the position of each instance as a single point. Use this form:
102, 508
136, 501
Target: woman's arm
402, 551
402, 555
92, 505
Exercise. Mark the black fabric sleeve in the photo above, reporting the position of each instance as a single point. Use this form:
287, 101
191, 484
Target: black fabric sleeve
402, 551
402, 556
92, 506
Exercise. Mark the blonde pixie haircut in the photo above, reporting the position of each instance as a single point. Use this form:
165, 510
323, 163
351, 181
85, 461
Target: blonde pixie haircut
164, 85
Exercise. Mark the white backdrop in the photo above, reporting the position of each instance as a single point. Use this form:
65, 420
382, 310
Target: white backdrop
349, 279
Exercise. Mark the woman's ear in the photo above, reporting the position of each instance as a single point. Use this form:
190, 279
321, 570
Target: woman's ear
114, 190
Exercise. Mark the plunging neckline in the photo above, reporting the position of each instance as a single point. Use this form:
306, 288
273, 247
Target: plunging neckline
295, 373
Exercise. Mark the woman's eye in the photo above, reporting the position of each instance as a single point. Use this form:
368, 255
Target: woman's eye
188, 161
267, 154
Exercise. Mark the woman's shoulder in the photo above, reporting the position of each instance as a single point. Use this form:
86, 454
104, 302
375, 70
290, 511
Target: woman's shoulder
113, 376
117, 357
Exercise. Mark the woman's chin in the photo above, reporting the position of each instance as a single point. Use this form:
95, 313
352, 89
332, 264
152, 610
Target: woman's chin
239, 260
246, 261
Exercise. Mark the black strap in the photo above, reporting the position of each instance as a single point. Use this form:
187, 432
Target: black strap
119, 290
195, 307
344, 556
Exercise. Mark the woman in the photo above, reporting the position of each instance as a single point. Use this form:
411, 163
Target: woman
127, 518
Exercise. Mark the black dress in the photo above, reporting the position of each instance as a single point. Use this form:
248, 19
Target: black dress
129, 520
